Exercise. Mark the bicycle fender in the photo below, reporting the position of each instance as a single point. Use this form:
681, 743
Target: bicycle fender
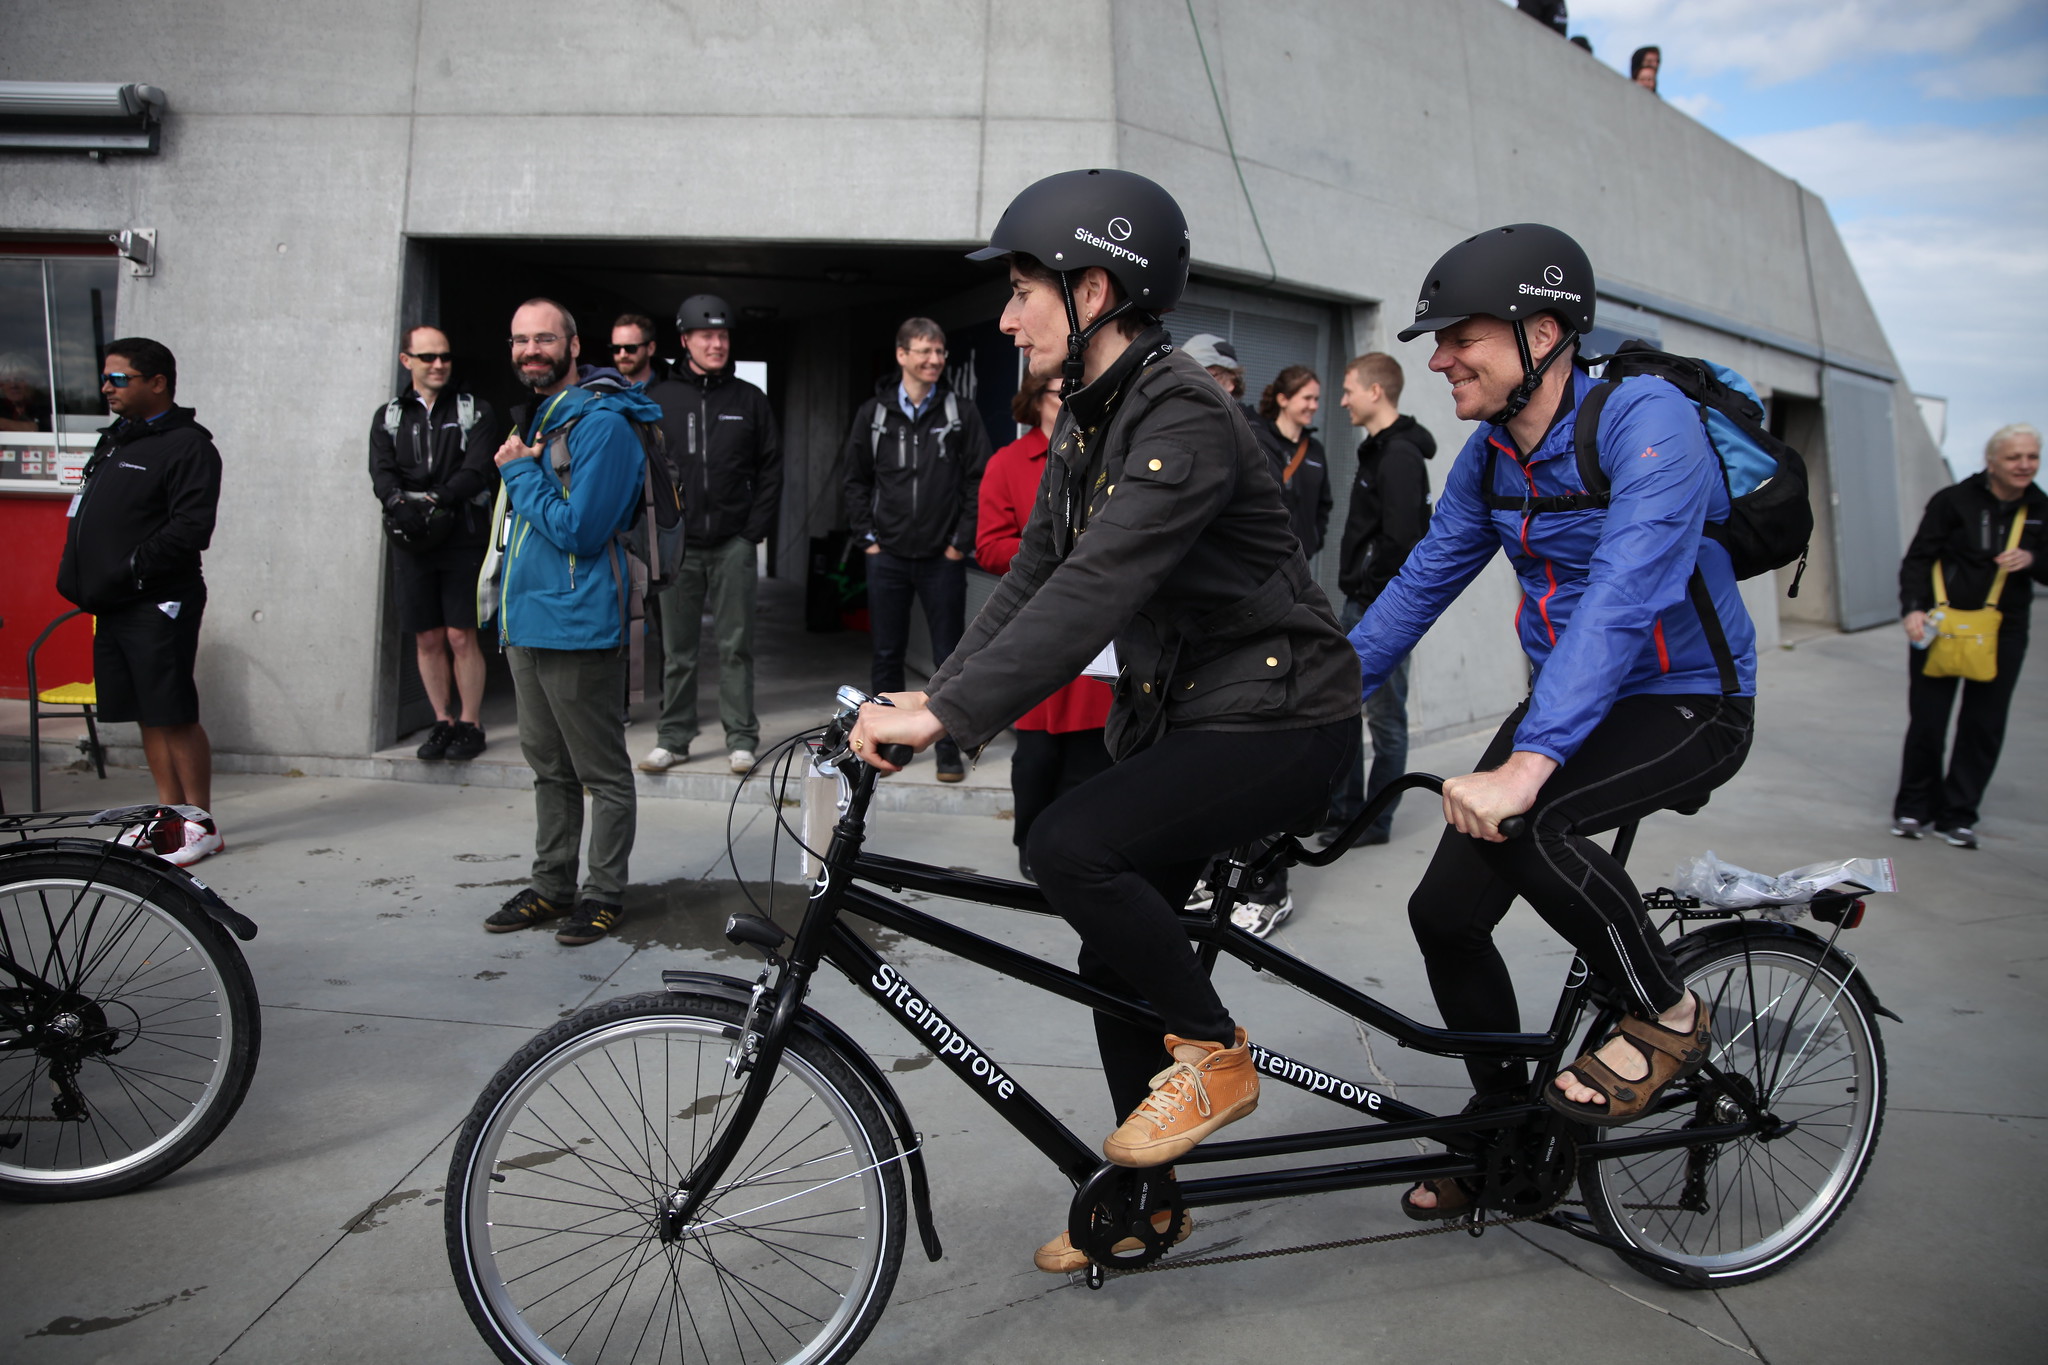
217, 909
871, 1075
1714, 935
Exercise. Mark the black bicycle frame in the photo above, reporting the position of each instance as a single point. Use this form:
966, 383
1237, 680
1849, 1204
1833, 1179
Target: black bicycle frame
824, 936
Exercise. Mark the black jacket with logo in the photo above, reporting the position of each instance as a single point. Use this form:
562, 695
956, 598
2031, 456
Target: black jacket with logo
1389, 512
1965, 527
144, 516
915, 487
723, 437
1307, 494
1159, 525
430, 455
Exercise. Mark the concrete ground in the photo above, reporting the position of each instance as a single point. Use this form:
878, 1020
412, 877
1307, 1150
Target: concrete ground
311, 1231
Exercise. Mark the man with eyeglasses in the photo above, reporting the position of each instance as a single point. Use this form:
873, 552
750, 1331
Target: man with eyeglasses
723, 436
914, 461
633, 350
430, 465
132, 548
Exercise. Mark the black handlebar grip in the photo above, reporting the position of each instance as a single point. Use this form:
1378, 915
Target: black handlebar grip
898, 754
1514, 827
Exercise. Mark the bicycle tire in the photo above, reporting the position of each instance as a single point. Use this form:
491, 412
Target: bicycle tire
1800, 1029
559, 1172
162, 1025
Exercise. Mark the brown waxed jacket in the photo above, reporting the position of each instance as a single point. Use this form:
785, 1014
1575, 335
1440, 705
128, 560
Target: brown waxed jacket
1159, 525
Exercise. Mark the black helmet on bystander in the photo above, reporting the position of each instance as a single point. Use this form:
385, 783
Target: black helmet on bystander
703, 310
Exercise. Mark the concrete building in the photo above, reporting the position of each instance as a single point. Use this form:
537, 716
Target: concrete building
325, 174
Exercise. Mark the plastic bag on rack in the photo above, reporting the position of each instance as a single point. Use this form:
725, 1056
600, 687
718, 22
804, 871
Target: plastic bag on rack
1737, 888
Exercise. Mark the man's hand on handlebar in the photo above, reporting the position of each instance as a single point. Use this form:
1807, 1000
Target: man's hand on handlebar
1477, 803
904, 721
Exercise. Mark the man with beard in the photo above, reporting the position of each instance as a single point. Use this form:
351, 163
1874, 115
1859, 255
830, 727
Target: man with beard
571, 475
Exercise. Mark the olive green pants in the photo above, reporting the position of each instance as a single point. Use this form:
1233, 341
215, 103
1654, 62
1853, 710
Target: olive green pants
720, 576
573, 735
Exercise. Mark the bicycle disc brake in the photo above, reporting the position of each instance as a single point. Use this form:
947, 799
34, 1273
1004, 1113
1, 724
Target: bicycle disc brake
1528, 1170
1115, 1206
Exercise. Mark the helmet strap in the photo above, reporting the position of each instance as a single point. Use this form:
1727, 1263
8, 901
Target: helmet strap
1078, 336
1532, 372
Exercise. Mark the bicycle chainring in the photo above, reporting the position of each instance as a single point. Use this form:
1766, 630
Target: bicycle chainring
1529, 1169
1116, 1205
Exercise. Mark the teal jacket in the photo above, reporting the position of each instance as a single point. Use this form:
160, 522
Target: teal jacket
565, 576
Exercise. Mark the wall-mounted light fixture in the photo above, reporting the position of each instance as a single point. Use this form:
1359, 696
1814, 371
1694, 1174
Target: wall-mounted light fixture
81, 116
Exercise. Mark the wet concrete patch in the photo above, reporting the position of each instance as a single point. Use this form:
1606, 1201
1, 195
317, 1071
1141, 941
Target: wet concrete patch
688, 915
373, 1216
69, 1326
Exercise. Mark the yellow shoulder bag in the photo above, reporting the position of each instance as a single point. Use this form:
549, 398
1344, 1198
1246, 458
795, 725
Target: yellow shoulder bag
1966, 642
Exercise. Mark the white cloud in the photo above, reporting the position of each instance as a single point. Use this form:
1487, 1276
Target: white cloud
2000, 170
1700, 107
1773, 42
2014, 73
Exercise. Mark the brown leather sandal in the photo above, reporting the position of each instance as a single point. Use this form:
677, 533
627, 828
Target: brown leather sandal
1672, 1056
1453, 1200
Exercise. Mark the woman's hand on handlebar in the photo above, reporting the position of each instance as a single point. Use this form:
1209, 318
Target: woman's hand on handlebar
1476, 803
905, 721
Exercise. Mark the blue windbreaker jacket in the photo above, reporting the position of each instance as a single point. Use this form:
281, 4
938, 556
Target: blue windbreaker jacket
562, 569
1603, 611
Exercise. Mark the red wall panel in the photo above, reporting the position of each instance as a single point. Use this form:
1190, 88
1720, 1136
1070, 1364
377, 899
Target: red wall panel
32, 529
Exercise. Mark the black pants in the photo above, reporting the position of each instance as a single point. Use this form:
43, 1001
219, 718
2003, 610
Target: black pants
1950, 799
940, 585
1650, 753
1047, 766
1118, 855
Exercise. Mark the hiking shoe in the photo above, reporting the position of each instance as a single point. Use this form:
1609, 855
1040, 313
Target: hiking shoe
591, 922
523, 911
660, 760
1189, 1101
201, 839
436, 743
466, 743
1060, 1257
1260, 919
1906, 827
951, 767
1959, 836
741, 761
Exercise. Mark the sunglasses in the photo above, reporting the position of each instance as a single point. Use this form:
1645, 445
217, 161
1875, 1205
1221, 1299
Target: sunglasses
118, 379
432, 357
639, 346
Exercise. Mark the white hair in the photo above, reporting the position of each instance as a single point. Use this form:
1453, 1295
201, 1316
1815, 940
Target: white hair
2009, 432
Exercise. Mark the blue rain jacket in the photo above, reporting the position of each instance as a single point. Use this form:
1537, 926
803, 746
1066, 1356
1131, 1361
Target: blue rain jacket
562, 568
1603, 611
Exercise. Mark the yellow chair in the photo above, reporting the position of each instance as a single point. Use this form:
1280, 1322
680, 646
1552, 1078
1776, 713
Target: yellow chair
84, 695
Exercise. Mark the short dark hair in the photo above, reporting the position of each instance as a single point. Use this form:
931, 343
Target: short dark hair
568, 318
1377, 367
1286, 384
414, 331
1024, 407
1127, 326
640, 320
1636, 58
150, 359
919, 329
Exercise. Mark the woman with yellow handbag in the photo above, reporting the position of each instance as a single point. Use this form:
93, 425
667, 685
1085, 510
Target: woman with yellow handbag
1965, 588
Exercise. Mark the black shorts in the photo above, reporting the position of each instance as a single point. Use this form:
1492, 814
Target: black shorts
142, 660
438, 588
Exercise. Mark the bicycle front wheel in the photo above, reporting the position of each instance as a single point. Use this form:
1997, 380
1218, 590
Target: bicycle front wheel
128, 1026
560, 1175
1797, 1033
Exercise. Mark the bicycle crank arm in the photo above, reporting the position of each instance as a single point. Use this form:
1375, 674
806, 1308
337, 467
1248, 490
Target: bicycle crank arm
1584, 1230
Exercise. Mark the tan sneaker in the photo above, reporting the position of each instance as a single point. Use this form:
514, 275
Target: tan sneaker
1189, 1101
1058, 1257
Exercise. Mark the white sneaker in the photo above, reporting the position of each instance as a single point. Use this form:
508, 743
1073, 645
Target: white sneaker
1261, 920
201, 839
660, 760
742, 760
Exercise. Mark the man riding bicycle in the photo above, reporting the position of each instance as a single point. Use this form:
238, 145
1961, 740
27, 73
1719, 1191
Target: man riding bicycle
1159, 526
1644, 664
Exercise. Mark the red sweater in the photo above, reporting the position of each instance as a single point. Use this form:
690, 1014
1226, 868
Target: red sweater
1009, 490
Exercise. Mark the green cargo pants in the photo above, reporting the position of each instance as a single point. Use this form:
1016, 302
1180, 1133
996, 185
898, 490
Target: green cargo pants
574, 738
721, 574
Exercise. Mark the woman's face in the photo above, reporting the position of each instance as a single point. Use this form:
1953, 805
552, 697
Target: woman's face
1300, 407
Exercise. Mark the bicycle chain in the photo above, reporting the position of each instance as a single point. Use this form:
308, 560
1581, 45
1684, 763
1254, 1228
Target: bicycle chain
1475, 1228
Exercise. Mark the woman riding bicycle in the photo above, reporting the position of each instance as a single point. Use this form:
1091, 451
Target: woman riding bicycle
1159, 527
1644, 664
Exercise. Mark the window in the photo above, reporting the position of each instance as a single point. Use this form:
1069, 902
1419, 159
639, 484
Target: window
56, 312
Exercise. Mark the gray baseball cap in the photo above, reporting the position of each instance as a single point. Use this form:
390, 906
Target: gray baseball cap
1211, 352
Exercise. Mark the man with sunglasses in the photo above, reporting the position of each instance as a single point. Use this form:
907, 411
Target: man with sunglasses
633, 351
430, 464
131, 557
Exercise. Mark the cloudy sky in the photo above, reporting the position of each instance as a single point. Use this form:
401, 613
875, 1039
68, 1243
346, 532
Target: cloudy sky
1924, 124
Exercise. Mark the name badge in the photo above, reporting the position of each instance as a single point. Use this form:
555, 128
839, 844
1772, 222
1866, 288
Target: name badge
72, 510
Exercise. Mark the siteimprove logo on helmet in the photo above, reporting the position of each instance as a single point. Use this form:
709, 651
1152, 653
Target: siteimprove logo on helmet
1552, 277
1082, 234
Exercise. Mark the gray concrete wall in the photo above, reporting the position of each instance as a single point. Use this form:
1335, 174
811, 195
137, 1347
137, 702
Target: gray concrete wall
306, 143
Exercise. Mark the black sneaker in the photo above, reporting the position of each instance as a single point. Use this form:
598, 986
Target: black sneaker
951, 768
466, 743
436, 744
591, 922
1961, 836
523, 911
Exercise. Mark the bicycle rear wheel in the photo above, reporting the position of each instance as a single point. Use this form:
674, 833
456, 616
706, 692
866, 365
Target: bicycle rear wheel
560, 1173
128, 1026
1796, 1031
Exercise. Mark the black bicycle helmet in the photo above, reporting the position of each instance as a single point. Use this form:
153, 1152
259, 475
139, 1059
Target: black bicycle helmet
1122, 222
703, 310
1511, 273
